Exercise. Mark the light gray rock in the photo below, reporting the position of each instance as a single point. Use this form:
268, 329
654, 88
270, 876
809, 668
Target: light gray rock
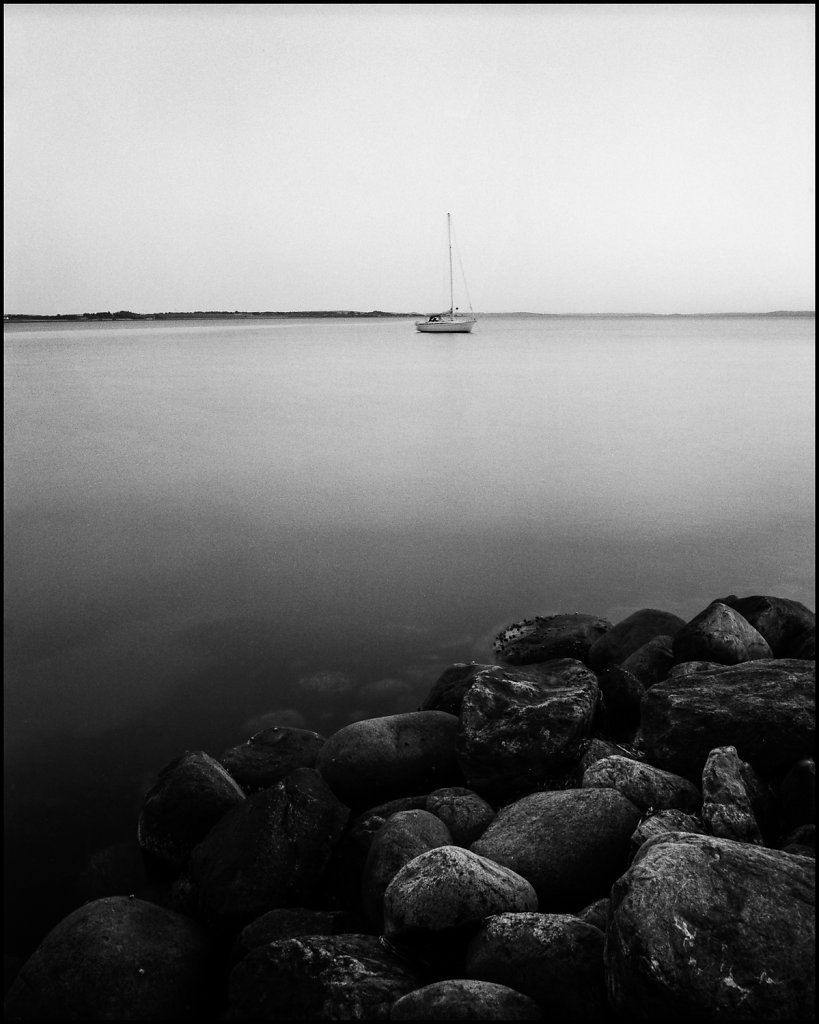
466, 814
721, 634
730, 789
662, 823
783, 623
645, 786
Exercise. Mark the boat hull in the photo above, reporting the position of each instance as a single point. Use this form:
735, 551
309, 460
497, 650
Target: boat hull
445, 326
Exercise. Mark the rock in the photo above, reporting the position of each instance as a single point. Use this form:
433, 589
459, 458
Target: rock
270, 851
518, 727
400, 839
596, 749
571, 845
190, 795
662, 823
462, 999
451, 888
319, 977
691, 668
784, 624
797, 794
466, 814
447, 693
596, 914
801, 841
646, 787
381, 758
721, 634
116, 959
621, 693
269, 755
652, 662
549, 637
290, 923
736, 803
763, 708
556, 959
283, 717
629, 635
709, 929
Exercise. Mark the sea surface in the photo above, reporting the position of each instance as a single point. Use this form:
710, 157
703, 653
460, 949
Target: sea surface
211, 527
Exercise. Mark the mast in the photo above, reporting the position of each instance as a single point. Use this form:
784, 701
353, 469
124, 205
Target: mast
451, 293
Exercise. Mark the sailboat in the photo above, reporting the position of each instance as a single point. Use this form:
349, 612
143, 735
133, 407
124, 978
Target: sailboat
452, 321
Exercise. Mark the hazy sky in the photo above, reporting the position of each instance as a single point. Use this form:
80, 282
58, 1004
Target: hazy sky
594, 157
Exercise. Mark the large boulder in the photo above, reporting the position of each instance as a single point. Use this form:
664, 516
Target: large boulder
721, 634
319, 977
519, 727
116, 959
556, 959
627, 636
383, 758
645, 786
466, 814
710, 929
271, 754
270, 851
464, 999
570, 844
545, 638
763, 708
785, 624
190, 795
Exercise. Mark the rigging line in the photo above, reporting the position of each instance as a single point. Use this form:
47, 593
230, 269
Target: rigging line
457, 249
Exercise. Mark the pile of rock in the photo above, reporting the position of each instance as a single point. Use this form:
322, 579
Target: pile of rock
612, 821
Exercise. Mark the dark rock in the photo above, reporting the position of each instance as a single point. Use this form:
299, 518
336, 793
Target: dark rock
596, 749
652, 662
662, 823
785, 624
521, 726
268, 756
596, 914
797, 794
270, 851
721, 634
116, 959
692, 668
645, 786
319, 977
549, 637
621, 693
382, 758
466, 814
556, 959
571, 845
189, 796
763, 708
462, 999
290, 923
731, 791
401, 838
447, 693
801, 841
629, 635
709, 929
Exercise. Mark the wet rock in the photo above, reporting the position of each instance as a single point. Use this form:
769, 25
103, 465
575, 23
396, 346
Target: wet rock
466, 814
518, 727
571, 845
784, 624
463, 999
629, 635
645, 786
556, 959
382, 758
447, 693
190, 795
763, 708
319, 977
115, 959
662, 823
709, 929
721, 634
271, 754
732, 792
270, 851
546, 638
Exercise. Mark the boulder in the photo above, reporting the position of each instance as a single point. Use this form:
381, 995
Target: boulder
270, 851
271, 754
721, 634
190, 795
703, 928
596, 913
463, 999
290, 923
401, 838
662, 823
784, 624
732, 794
383, 758
653, 661
549, 637
763, 708
448, 691
466, 814
556, 959
519, 727
645, 786
116, 958
571, 844
319, 977
629, 635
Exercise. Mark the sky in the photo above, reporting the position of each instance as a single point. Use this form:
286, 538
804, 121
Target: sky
595, 158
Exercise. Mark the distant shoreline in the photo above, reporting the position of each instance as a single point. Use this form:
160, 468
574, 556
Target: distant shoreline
344, 314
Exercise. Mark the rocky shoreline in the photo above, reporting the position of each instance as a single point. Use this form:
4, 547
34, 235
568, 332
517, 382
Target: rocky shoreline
611, 821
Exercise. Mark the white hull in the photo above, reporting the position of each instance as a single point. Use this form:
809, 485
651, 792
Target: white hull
445, 326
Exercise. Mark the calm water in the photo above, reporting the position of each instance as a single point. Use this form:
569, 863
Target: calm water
209, 523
